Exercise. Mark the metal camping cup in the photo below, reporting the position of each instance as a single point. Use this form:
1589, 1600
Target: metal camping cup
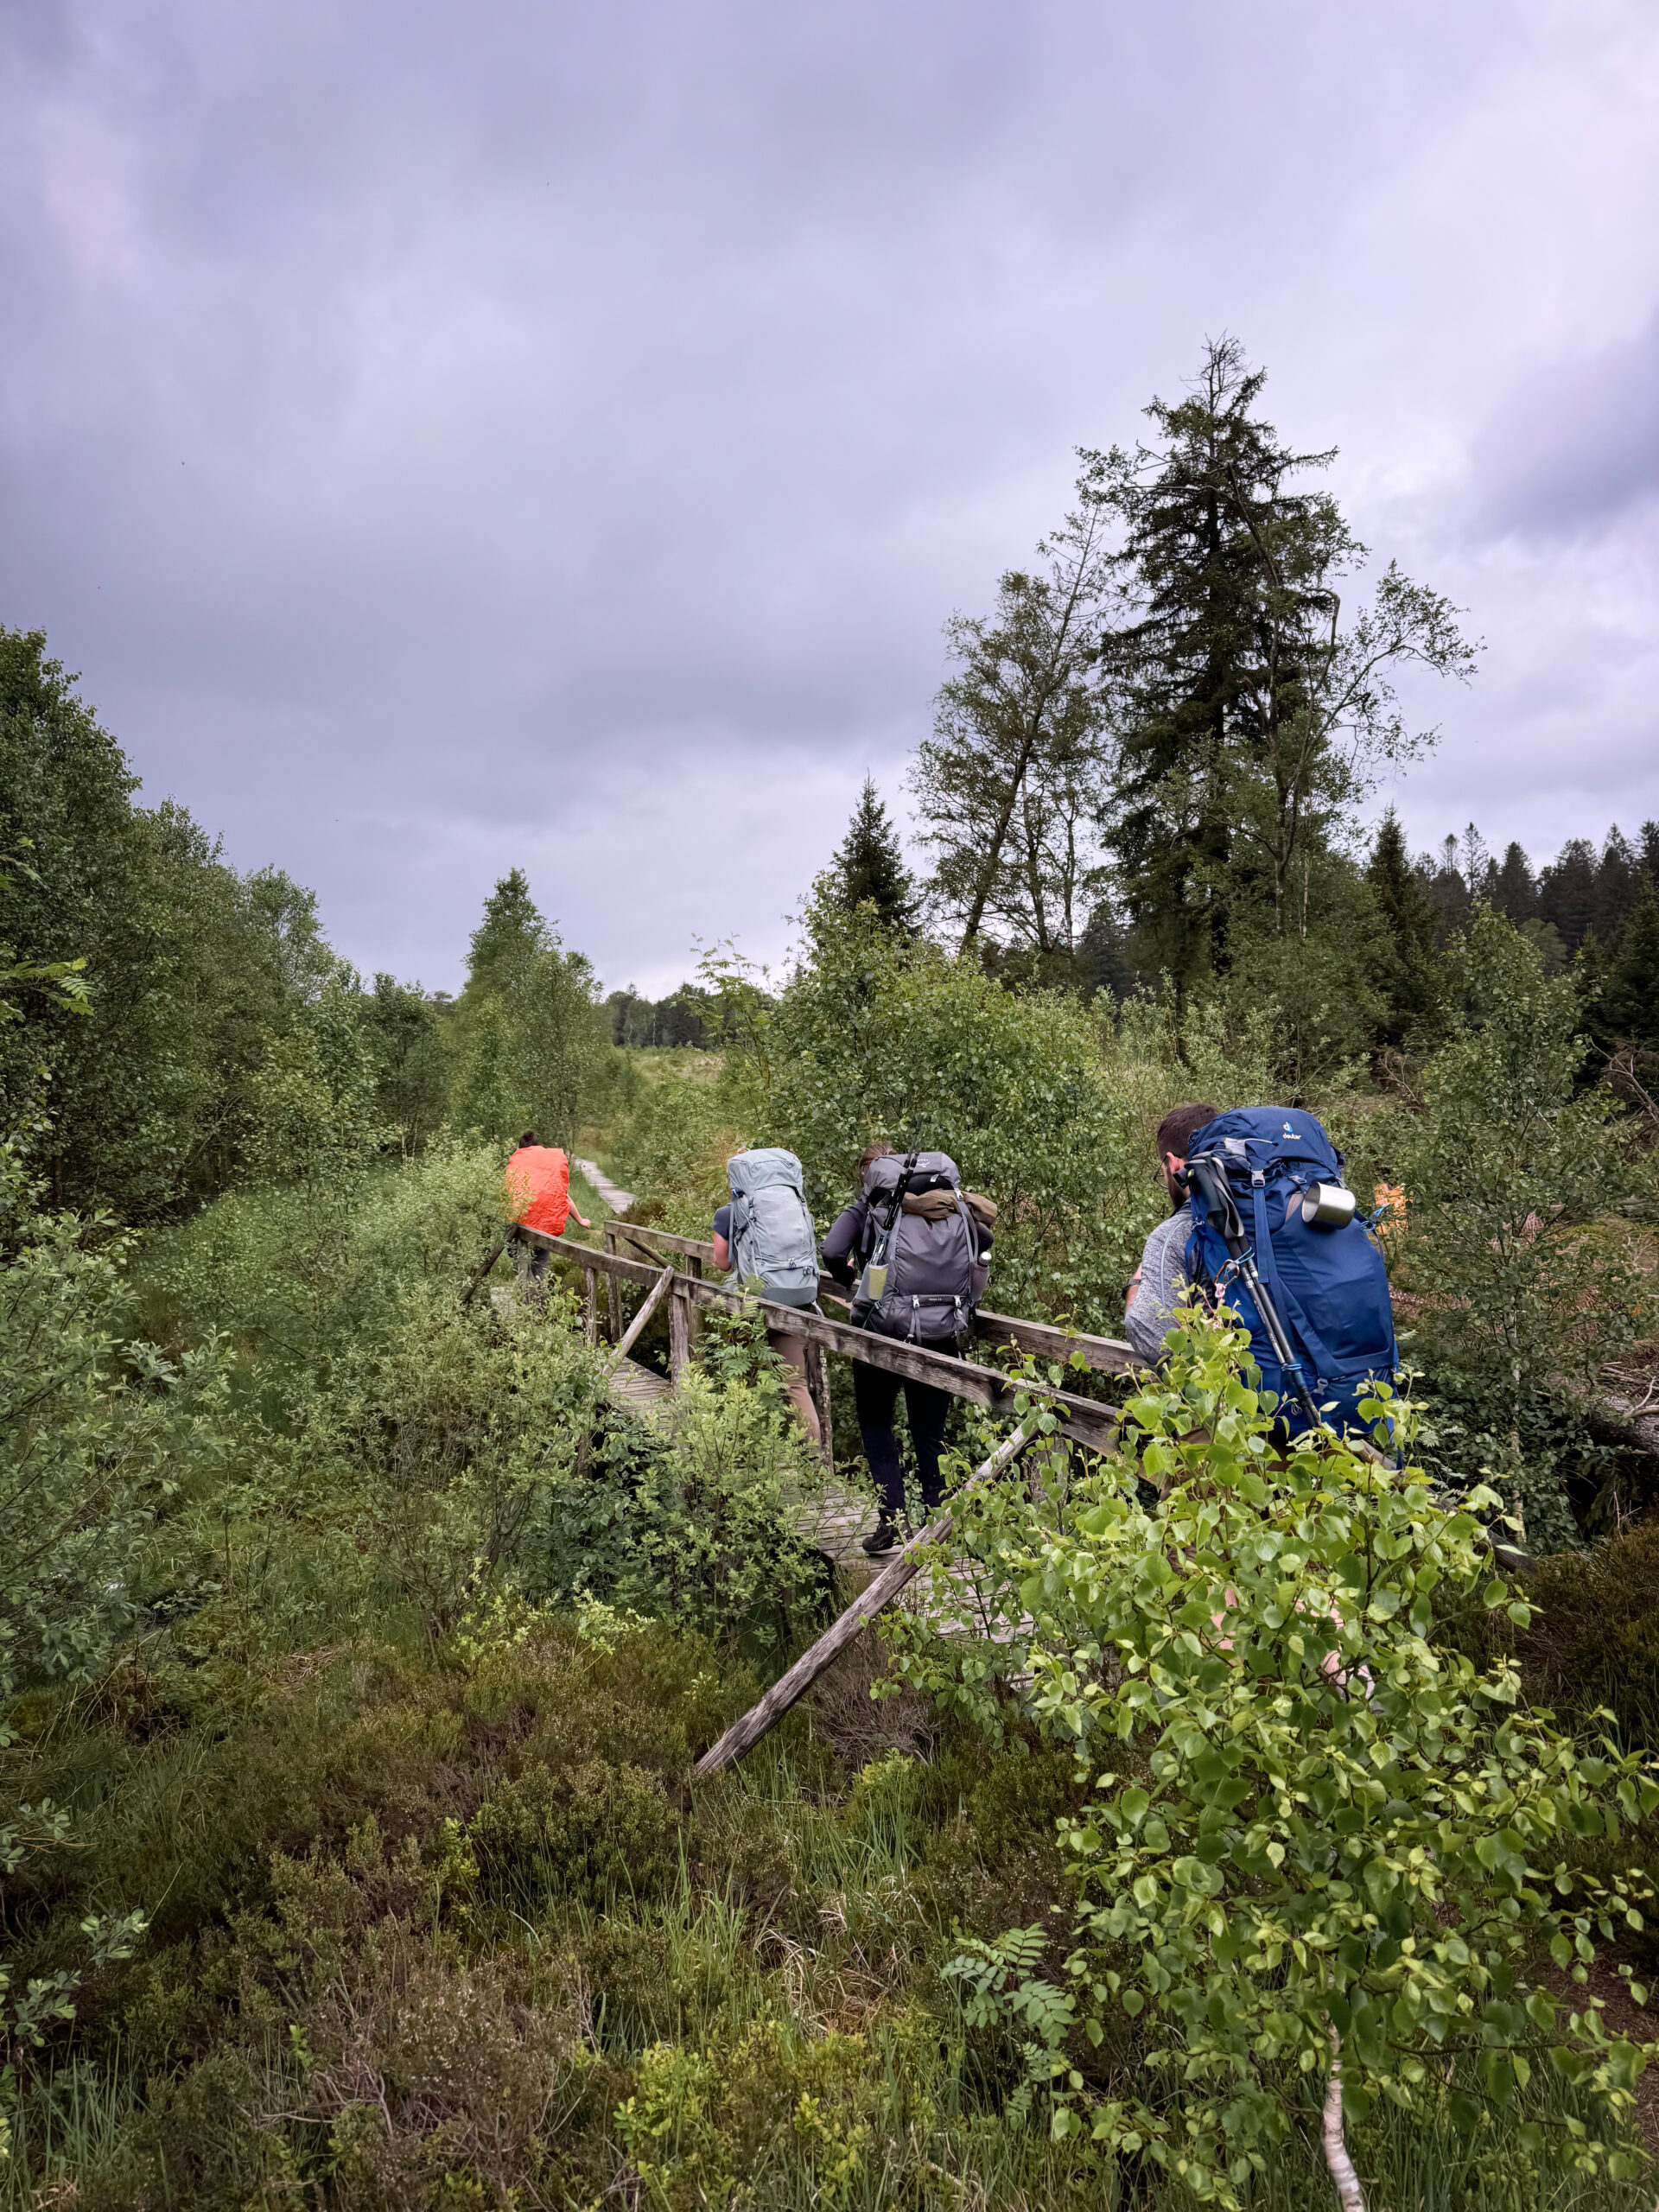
1328, 1205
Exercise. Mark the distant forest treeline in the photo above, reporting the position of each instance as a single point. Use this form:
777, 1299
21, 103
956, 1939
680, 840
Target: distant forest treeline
1583, 896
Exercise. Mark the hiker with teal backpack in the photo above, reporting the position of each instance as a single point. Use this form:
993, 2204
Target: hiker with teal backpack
1274, 1233
765, 1237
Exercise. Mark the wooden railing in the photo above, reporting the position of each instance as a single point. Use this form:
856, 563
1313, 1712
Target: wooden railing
1106, 1355
691, 1296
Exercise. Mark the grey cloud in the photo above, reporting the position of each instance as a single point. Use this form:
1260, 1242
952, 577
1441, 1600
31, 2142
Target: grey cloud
1575, 448
448, 438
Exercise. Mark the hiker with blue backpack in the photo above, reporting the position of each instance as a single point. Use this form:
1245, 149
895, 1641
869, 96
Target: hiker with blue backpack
1264, 1224
767, 1238
914, 1249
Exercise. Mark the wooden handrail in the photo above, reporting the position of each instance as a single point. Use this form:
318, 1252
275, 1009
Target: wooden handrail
1105, 1355
1081, 1419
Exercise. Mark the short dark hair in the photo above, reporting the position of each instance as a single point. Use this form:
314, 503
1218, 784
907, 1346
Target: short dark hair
1180, 1126
529, 1137
871, 1153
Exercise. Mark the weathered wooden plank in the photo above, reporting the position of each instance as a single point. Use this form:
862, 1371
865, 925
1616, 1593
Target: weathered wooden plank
1082, 1418
817, 1382
744, 1734
679, 1332
613, 1288
1105, 1355
592, 1274
663, 1240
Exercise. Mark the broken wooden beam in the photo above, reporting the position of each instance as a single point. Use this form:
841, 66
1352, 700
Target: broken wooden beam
744, 1734
644, 1315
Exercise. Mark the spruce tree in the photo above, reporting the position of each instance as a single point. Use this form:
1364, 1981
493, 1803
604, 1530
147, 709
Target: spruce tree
1567, 892
1411, 988
1251, 722
869, 868
1616, 886
1630, 995
1515, 893
512, 931
528, 1032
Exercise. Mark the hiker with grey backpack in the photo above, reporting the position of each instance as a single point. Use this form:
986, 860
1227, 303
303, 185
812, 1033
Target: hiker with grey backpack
767, 1238
914, 1249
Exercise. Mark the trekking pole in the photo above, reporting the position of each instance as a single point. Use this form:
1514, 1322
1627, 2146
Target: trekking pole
875, 1269
1223, 1209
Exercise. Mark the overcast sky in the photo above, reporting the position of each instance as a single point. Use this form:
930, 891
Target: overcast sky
448, 437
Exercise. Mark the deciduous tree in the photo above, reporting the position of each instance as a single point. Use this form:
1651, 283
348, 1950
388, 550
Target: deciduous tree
1008, 787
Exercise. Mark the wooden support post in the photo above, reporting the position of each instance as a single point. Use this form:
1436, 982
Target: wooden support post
679, 1334
592, 1274
653, 1300
488, 1261
744, 1734
613, 1288
817, 1382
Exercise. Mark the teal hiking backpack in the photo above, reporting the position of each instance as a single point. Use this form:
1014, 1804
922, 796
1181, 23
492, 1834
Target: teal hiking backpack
774, 1245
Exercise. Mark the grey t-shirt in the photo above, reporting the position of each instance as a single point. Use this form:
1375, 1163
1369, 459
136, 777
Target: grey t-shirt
1163, 1278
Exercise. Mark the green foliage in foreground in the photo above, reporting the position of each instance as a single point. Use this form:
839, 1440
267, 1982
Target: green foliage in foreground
1306, 1828
365, 1870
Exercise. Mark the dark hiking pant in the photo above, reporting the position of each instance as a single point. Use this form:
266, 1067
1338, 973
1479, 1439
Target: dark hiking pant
875, 1394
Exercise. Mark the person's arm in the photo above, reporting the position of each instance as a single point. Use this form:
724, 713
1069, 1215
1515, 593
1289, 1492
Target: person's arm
722, 1228
581, 1219
842, 1245
1157, 1288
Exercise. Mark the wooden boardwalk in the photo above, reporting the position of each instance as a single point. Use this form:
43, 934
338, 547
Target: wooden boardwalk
832, 1517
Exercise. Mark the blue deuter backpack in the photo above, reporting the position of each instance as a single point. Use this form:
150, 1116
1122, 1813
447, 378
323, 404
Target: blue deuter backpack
1330, 1285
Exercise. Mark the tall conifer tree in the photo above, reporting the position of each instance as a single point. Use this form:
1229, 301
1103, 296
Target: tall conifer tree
1412, 987
870, 866
1629, 996
1515, 893
1251, 722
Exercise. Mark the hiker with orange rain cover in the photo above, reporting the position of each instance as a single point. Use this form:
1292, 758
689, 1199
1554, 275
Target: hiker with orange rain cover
538, 1194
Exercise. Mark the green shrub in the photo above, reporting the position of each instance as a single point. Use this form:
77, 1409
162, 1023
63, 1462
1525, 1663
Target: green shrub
1593, 1641
691, 1523
1302, 1817
671, 1149
333, 2051
703, 2125
878, 1036
1524, 1290
297, 1274
96, 1440
593, 1832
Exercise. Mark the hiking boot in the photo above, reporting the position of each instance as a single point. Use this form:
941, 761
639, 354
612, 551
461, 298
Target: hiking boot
884, 1537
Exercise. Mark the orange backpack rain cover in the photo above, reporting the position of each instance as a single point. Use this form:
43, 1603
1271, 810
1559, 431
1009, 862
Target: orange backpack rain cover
538, 1188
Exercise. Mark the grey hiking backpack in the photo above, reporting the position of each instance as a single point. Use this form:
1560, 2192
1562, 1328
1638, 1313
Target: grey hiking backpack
773, 1244
922, 1279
